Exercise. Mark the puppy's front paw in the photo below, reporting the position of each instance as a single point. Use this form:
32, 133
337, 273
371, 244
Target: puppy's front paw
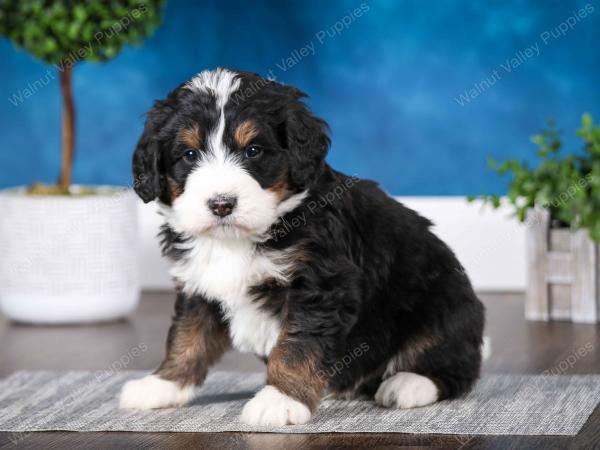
272, 407
153, 392
406, 390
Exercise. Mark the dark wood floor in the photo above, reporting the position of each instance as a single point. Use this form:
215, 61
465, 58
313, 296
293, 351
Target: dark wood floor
517, 347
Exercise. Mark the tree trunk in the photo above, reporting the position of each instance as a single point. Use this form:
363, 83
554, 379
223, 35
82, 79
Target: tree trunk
68, 128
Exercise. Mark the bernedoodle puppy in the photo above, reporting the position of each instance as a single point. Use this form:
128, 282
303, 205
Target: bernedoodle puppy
339, 288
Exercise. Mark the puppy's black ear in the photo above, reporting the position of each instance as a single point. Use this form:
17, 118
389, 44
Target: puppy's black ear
307, 141
149, 180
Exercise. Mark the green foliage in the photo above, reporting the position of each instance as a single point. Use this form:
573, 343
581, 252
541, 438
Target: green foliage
68, 31
569, 185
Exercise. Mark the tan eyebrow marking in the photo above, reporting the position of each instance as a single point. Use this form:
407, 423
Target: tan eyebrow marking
245, 132
190, 137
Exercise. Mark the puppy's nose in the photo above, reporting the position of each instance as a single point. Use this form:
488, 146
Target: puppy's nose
222, 205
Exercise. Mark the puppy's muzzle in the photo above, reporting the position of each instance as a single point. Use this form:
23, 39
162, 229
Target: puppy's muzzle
222, 205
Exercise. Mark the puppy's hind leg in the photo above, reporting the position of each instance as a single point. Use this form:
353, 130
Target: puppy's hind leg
447, 370
406, 390
432, 368
197, 338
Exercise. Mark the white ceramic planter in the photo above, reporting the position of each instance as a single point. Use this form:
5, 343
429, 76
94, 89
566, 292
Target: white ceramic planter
68, 259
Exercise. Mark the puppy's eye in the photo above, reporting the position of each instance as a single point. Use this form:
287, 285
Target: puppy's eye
253, 152
190, 156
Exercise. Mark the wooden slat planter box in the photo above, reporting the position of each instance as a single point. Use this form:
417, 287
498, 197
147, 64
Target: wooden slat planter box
563, 276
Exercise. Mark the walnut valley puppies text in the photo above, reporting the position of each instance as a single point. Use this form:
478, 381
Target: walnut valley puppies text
524, 54
287, 224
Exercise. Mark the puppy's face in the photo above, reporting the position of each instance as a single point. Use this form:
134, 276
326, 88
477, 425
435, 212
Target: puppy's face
229, 153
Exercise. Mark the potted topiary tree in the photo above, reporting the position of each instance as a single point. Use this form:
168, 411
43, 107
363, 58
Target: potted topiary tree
559, 200
68, 252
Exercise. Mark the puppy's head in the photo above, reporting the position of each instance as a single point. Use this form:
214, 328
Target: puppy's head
228, 153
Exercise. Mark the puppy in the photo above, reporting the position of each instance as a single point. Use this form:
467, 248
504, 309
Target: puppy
338, 287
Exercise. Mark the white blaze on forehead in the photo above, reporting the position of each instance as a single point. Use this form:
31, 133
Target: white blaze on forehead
221, 83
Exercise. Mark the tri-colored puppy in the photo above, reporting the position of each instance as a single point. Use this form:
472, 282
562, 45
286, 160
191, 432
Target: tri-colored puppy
277, 254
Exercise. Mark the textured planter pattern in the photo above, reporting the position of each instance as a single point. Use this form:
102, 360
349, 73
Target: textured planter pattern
563, 273
68, 259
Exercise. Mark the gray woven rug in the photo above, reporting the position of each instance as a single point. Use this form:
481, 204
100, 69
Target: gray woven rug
500, 404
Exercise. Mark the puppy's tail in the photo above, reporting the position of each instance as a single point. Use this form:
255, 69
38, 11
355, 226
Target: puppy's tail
486, 348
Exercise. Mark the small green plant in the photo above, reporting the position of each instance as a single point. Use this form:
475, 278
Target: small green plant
65, 32
567, 185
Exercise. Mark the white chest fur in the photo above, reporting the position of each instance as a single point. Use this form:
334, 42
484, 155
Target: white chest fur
223, 271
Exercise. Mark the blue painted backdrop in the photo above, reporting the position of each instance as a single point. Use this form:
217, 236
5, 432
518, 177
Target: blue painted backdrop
417, 93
